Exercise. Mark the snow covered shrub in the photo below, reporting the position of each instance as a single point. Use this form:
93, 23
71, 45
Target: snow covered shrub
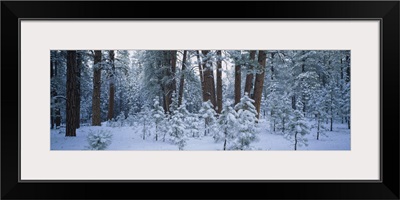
177, 129
227, 124
99, 140
159, 118
193, 125
298, 128
247, 119
117, 122
120, 120
208, 113
145, 120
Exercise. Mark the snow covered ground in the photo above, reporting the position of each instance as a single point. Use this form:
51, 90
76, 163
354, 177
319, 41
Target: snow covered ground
130, 138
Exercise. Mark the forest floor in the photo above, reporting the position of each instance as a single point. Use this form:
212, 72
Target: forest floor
130, 138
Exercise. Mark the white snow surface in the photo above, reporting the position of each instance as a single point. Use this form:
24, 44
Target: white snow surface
131, 138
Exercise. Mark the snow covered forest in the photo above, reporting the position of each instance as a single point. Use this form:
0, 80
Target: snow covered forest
200, 99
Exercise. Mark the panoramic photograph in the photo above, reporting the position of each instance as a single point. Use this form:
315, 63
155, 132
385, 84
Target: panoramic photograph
200, 100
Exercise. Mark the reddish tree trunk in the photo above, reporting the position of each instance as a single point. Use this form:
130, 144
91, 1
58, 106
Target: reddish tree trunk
259, 83
110, 114
96, 120
238, 80
71, 99
209, 85
249, 78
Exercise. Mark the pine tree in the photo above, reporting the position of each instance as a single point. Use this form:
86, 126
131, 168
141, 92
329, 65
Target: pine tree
298, 127
174, 102
145, 119
177, 129
193, 125
247, 119
208, 113
227, 122
158, 116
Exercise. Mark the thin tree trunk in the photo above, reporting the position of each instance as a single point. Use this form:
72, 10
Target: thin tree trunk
173, 70
259, 84
52, 120
295, 141
111, 97
249, 78
219, 82
96, 120
182, 80
78, 89
57, 110
71, 99
238, 80
318, 128
225, 143
348, 122
201, 75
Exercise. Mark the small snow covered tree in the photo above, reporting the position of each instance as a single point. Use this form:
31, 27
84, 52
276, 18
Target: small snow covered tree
208, 113
174, 102
177, 129
118, 121
99, 140
298, 128
247, 119
145, 119
158, 116
227, 123
193, 124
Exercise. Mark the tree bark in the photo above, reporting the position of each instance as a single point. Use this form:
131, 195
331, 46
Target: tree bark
110, 114
52, 120
170, 86
201, 75
96, 120
71, 99
182, 80
78, 88
238, 80
219, 82
249, 77
259, 83
209, 85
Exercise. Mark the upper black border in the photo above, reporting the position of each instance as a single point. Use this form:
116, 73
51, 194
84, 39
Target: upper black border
388, 11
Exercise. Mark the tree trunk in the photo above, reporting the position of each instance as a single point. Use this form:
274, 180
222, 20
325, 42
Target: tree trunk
318, 127
201, 75
209, 85
78, 88
71, 92
110, 114
170, 87
173, 70
259, 84
182, 81
295, 141
348, 122
96, 120
249, 78
238, 80
52, 120
219, 82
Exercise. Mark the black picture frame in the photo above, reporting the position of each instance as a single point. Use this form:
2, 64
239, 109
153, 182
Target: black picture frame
386, 11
